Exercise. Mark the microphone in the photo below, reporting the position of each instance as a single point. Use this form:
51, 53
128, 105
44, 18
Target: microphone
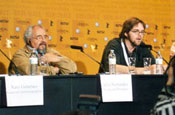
16, 69
150, 48
81, 49
77, 47
146, 46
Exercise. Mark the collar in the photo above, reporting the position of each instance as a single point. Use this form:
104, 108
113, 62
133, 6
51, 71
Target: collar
30, 49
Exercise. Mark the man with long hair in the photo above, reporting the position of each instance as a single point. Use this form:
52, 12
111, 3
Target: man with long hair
127, 45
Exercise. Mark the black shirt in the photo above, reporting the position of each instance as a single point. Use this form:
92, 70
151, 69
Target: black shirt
115, 44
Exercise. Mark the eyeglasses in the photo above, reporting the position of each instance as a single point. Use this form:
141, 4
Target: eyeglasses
138, 32
40, 37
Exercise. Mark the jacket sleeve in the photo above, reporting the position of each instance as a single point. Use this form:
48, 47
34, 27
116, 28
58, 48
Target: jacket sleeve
21, 60
66, 65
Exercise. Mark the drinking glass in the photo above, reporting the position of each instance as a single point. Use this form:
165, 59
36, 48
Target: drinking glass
147, 63
132, 63
43, 66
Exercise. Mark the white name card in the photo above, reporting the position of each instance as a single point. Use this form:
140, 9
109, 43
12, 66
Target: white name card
3, 75
24, 90
116, 88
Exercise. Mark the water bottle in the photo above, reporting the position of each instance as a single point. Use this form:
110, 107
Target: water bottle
112, 62
33, 63
159, 62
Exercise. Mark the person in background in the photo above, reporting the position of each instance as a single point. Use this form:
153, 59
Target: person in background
36, 37
128, 44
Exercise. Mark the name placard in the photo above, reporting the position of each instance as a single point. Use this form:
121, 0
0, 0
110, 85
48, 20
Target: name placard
116, 88
3, 75
24, 90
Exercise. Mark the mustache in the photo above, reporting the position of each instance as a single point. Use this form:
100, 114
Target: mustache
42, 51
43, 43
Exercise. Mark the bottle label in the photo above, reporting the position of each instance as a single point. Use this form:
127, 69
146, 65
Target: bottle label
33, 60
112, 61
159, 61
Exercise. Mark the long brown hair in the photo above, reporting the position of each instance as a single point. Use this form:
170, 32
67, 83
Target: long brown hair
128, 25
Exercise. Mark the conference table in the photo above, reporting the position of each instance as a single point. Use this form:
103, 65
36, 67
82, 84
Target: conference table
61, 94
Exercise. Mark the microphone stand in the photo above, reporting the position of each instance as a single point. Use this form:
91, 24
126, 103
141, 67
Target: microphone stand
16, 69
150, 48
169, 64
159, 55
90, 57
101, 66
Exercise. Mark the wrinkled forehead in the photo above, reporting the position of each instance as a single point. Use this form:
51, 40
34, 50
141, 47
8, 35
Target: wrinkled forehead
38, 30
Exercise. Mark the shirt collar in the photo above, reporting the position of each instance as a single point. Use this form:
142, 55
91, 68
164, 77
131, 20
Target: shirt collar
31, 49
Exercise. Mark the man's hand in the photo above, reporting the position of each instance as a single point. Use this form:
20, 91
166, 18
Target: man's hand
56, 69
50, 57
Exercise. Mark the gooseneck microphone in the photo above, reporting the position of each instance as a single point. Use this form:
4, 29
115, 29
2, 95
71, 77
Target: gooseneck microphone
81, 49
16, 69
146, 46
150, 48
77, 47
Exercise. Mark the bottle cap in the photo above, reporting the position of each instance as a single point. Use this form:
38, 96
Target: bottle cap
159, 61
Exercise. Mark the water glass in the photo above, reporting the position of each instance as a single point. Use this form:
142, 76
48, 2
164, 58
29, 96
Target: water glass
43, 66
147, 63
132, 63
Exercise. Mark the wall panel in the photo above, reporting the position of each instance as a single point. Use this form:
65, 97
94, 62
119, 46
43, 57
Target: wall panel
88, 23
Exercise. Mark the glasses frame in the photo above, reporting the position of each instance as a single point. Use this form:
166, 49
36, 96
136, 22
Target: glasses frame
41, 37
138, 32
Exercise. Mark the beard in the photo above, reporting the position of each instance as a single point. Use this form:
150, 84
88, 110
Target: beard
42, 50
133, 43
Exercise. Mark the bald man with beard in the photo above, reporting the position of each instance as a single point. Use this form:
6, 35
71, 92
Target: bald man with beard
36, 37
